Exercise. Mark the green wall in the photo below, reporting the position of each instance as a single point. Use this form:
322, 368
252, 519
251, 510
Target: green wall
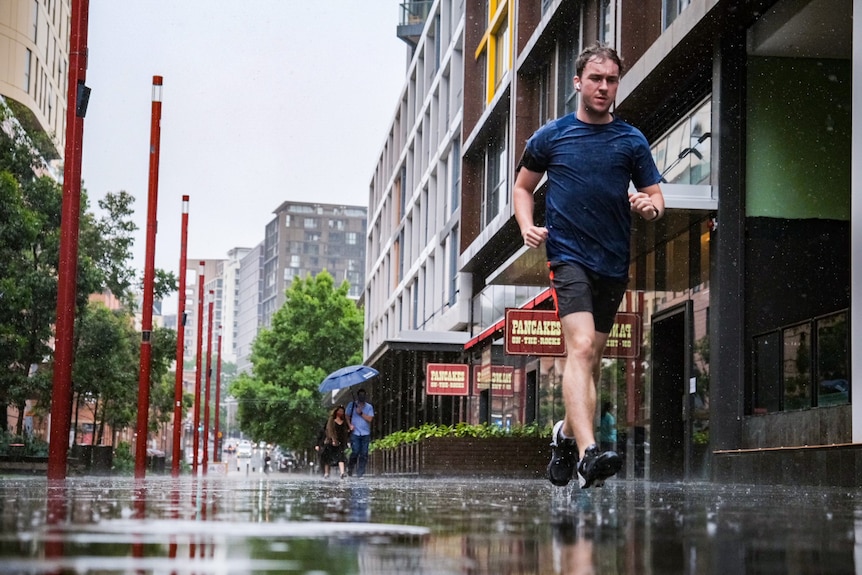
798, 138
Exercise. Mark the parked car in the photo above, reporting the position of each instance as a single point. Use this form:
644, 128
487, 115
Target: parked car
244, 449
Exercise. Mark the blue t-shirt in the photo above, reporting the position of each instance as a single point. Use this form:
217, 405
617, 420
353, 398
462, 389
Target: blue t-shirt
589, 168
360, 426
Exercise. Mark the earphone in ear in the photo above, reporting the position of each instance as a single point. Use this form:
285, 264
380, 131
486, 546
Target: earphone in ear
578, 87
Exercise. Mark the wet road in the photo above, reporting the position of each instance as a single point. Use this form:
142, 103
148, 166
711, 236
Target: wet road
284, 523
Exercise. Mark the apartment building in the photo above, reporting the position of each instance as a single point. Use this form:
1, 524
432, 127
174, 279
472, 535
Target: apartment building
34, 41
197, 306
248, 315
306, 238
416, 296
231, 303
748, 110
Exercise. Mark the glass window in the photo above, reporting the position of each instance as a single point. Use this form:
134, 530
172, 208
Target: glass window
455, 162
568, 54
833, 373
495, 177
501, 53
310, 223
607, 21
797, 366
28, 63
766, 377
683, 154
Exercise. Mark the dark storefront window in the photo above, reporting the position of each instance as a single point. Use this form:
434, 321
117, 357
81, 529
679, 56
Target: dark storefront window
797, 367
788, 361
833, 358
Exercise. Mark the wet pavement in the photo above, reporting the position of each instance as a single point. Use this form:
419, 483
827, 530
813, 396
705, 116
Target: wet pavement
290, 523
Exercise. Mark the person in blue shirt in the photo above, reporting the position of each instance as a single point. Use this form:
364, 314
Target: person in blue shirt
360, 414
590, 158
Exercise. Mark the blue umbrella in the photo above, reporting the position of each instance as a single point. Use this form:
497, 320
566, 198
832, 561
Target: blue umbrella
347, 376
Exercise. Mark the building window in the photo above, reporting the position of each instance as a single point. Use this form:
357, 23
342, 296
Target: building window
28, 64
797, 366
568, 53
351, 238
453, 266
684, 153
495, 177
607, 21
672, 9
788, 361
494, 51
833, 360
546, 99
310, 223
34, 18
455, 166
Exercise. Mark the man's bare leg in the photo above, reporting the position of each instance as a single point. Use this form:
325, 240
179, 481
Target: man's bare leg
584, 347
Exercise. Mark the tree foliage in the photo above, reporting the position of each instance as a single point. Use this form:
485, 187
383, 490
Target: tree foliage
316, 331
30, 211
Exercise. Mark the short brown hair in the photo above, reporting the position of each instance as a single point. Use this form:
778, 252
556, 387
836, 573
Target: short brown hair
600, 52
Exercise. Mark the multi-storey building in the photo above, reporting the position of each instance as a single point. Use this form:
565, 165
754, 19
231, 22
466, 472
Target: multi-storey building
34, 41
306, 238
248, 315
416, 296
230, 302
748, 107
213, 281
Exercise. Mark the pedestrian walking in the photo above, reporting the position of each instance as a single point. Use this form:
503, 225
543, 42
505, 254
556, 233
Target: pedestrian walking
607, 428
360, 414
335, 444
590, 157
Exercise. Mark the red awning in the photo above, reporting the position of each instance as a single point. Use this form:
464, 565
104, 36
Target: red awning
496, 329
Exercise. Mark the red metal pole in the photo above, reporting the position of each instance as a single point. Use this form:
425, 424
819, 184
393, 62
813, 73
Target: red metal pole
218, 434
149, 281
198, 358
208, 380
181, 334
67, 273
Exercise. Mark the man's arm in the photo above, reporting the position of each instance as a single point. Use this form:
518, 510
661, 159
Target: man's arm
522, 199
648, 202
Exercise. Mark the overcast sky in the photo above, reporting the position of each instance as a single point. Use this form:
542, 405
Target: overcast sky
263, 101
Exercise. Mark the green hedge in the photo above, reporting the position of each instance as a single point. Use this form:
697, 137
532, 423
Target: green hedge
481, 431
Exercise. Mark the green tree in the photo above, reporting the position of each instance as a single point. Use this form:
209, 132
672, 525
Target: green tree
105, 371
316, 331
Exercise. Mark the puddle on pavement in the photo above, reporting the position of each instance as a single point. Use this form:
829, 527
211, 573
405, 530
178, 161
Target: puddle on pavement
300, 524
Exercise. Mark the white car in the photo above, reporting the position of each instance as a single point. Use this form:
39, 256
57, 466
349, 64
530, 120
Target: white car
243, 448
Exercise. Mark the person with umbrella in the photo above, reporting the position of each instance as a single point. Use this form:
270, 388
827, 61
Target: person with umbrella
360, 414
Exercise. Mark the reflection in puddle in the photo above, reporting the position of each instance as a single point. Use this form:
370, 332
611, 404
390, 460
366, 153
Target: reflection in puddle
291, 524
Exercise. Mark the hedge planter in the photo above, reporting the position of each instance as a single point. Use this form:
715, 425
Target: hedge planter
522, 457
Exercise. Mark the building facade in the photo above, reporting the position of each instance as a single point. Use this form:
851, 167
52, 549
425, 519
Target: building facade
306, 238
417, 299
248, 316
230, 302
34, 41
748, 109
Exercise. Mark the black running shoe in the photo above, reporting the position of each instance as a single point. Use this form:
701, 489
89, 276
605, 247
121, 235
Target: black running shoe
564, 458
597, 466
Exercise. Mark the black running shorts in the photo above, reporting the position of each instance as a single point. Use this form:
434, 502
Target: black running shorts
576, 288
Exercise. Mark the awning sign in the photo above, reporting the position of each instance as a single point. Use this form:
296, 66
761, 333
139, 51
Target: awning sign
502, 381
447, 379
624, 341
534, 332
